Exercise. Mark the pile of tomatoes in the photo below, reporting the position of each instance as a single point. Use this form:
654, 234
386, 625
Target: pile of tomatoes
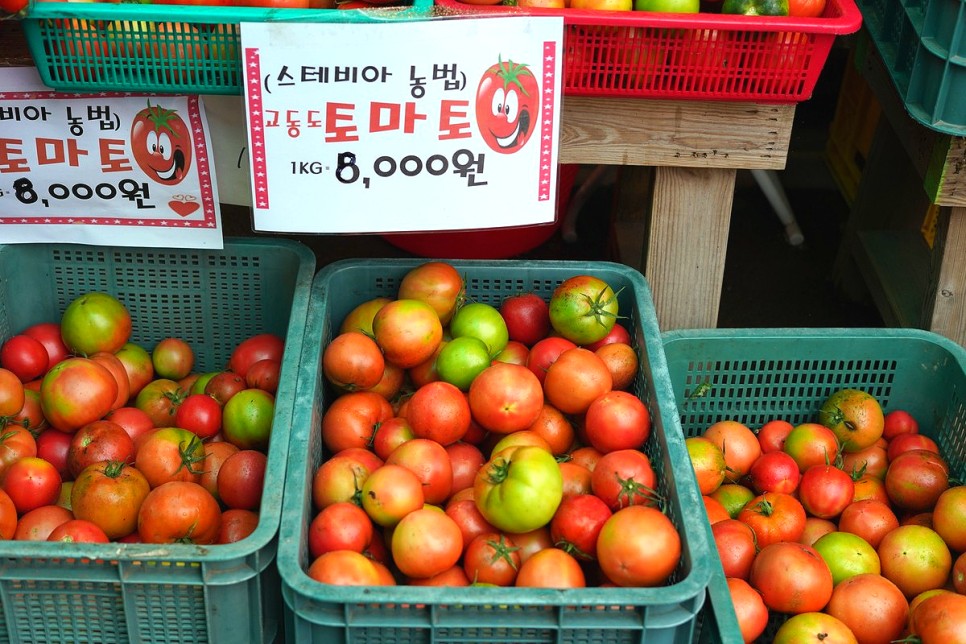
102, 439
848, 529
479, 444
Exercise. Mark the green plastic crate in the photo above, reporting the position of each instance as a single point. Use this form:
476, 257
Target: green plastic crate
923, 46
408, 614
93, 46
105, 593
757, 375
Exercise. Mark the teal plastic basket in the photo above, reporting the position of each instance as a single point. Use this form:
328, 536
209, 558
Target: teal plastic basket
757, 375
118, 593
328, 614
173, 49
923, 46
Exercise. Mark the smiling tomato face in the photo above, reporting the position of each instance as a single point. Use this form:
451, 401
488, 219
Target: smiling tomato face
507, 106
161, 144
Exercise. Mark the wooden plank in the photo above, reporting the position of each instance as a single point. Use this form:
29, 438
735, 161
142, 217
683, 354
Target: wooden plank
700, 134
690, 218
948, 315
895, 264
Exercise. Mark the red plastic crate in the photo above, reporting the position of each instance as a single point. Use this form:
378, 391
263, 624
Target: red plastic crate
705, 56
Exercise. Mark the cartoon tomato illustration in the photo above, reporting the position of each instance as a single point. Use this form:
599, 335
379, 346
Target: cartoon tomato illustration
507, 106
161, 144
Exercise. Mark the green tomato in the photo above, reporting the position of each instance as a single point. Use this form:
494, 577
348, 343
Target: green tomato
246, 419
755, 7
519, 489
668, 6
583, 309
95, 322
480, 320
461, 360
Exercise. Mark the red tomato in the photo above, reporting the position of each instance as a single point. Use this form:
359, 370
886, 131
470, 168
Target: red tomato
638, 546
31, 414
340, 526
48, 334
37, 524
8, 517
426, 542
774, 472
791, 577
352, 361
77, 391
440, 412
52, 446
15, 443
735, 542
345, 568
825, 491
159, 399
491, 558
772, 435
352, 418
870, 519
527, 317
617, 420
555, 428
623, 478
109, 494
78, 531
216, 453
575, 379
576, 479
265, 374
241, 479
101, 440
617, 335
576, 524
161, 144
264, 346
506, 398
179, 512
236, 525
172, 358
200, 414
25, 356
113, 364
514, 352
551, 568
507, 106
774, 516
465, 461
908, 441
811, 444
544, 353
224, 385
32, 482
134, 421
170, 454
430, 462
857, 599
340, 478
468, 518
915, 480
899, 421
438, 284
391, 492
941, 618
739, 445
408, 331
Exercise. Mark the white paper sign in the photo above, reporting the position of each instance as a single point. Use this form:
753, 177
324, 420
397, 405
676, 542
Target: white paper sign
417, 126
104, 169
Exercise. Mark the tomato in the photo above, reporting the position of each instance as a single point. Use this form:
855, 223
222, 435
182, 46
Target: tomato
583, 309
915, 558
52, 446
426, 542
408, 331
15, 443
544, 353
815, 529
941, 618
465, 461
8, 517
617, 420
622, 362
179, 512
949, 517
915, 480
264, 346
576, 524
241, 479
825, 491
37, 524
246, 419
872, 461
505, 398
738, 444
617, 335
101, 440
438, 284
216, 453
575, 379
869, 519
733, 496
482, 321
857, 598
160, 399
134, 421
774, 517
772, 435
439, 411
340, 526
170, 454
750, 609
551, 568
172, 358
736, 546
460, 360
514, 352
237, 525
847, 555
24, 356
352, 361
344, 568
623, 478
507, 106
791, 577
855, 416
224, 385
390, 492
352, 418
906, 442
341, 478
813, 627
491, 558
774, 472
555, 428
519, 489
31, 482
48, 334
76, 391
109, 494
806, 8
200, 414
898, 421
707, 462
638, 546
95, 322
113, 364
137, 363
576, 479
527, 317
161, 141
31, 414
811, 444
429, 461
454, 576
